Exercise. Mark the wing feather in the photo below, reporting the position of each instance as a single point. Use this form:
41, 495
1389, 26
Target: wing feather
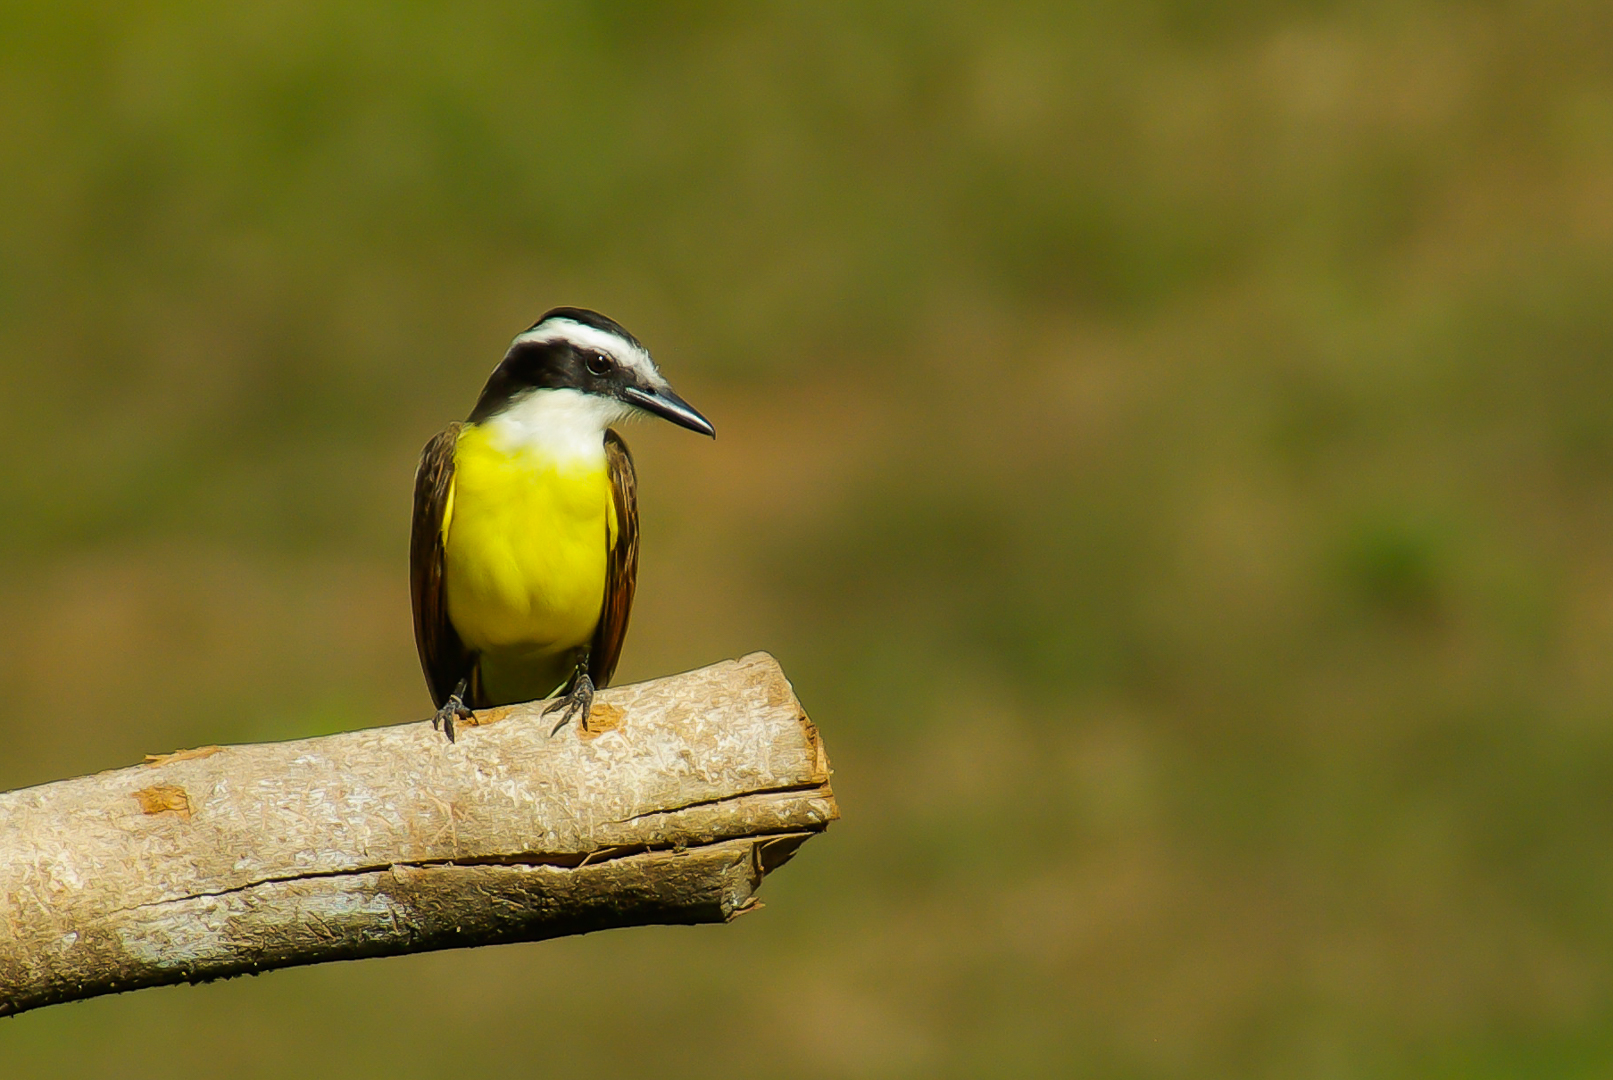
443, 656
621, 567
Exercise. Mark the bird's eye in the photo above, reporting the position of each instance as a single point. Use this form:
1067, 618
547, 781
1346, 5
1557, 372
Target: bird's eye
599, 363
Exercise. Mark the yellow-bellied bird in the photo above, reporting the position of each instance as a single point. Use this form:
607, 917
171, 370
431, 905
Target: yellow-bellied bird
525, 543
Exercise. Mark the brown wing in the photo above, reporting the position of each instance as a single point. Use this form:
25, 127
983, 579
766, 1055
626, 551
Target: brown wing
442, 655
621, 566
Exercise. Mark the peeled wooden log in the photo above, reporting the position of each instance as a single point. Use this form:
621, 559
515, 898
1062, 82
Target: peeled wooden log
668, 806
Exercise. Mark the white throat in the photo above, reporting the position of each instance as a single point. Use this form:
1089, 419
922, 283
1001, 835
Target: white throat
556, 425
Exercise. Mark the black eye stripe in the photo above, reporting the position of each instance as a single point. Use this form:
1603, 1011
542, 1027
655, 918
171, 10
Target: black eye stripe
556, 363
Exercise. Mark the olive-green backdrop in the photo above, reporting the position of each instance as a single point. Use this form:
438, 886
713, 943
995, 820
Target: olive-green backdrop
1168, 443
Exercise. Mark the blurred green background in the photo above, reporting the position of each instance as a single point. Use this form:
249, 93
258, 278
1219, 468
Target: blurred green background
1169, 445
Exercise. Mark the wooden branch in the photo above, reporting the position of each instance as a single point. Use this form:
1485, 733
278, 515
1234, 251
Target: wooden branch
668, 807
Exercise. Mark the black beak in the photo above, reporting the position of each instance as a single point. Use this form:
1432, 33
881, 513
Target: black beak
669, 406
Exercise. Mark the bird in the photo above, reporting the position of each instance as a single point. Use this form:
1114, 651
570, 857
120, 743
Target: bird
523, 555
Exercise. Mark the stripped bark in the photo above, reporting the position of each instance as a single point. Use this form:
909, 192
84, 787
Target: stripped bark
668, 806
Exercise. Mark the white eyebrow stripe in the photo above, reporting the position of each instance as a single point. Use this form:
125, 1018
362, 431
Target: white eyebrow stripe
589, 338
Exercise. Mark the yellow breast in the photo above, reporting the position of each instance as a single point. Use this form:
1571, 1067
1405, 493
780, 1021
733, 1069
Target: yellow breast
525, 542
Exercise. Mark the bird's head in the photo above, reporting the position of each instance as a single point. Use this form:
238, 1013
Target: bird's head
597, 367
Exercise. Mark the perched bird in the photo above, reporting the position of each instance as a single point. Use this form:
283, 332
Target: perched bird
525, 542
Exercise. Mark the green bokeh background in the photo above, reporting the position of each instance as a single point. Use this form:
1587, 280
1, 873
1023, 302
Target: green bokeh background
1169, 445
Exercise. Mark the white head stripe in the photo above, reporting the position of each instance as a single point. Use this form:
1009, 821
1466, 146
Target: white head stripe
589, 338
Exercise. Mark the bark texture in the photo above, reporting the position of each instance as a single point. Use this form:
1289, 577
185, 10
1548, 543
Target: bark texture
668, 806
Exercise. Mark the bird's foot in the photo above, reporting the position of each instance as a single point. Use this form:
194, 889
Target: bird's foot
579, 700
452, 709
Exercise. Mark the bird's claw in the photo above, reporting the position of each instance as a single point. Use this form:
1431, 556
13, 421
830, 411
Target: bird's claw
579, 700
452, 709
